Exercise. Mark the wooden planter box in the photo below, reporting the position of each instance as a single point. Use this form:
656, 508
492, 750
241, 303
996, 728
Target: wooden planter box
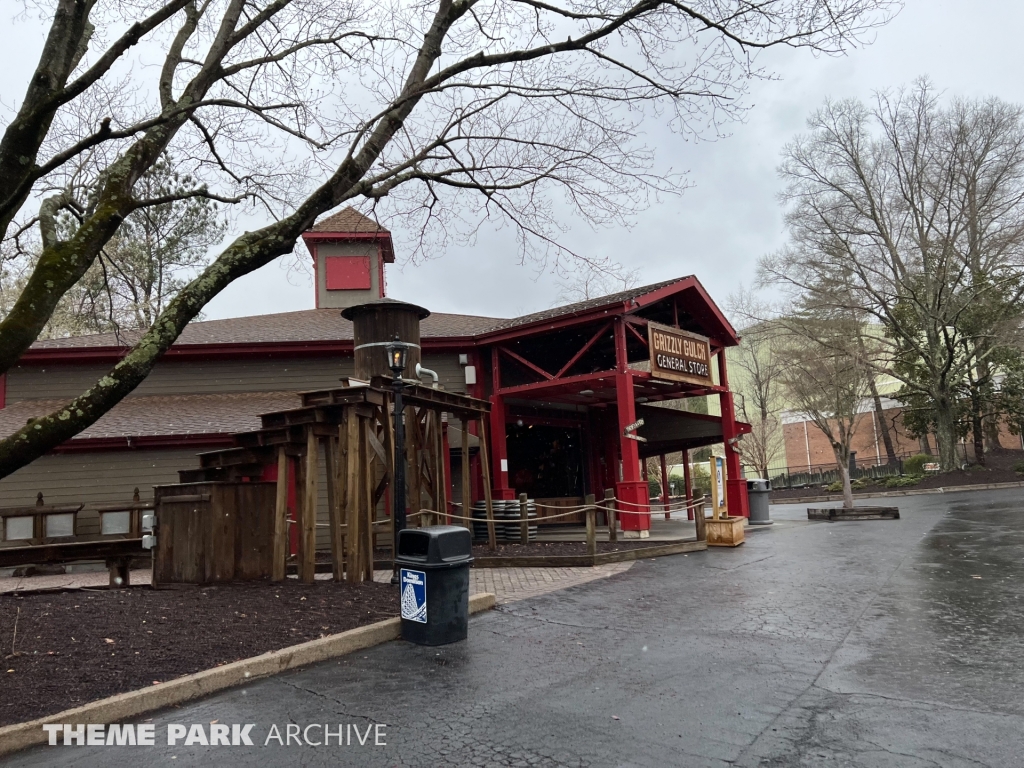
725, 531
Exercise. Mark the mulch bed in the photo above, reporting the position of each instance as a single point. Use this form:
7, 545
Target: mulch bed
78, 646
998, 469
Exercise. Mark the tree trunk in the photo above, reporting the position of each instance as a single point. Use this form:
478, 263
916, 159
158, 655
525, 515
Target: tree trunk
945, 433
843, 462
977, 429
890, 451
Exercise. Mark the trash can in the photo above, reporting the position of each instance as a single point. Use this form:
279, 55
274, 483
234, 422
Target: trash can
433, 576
758, 492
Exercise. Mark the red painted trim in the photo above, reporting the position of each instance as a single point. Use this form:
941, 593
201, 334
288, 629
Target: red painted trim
583, 351
3, 390
635, 333
527, 363
316, 276
567, 382
382, 238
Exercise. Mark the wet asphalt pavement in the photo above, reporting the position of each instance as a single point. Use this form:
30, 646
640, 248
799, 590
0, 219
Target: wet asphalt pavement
875, 643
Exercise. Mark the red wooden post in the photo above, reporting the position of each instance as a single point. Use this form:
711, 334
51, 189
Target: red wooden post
665, 486
736, 485
499, 447
630, 487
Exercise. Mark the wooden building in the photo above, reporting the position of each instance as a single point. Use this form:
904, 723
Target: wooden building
567, 386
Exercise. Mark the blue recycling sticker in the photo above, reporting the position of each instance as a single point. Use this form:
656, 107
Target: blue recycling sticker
414, 595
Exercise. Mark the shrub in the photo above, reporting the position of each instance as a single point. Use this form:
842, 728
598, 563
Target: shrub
1019, 467
915, 464
902, 482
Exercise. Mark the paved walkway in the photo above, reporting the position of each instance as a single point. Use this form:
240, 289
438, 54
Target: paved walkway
868, 644
507, 584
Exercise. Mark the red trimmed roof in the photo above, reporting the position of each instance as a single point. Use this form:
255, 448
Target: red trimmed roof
326, 326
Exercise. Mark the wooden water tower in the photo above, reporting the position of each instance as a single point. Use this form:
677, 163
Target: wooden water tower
374, 325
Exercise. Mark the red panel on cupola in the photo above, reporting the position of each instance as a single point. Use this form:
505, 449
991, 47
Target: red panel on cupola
347, 273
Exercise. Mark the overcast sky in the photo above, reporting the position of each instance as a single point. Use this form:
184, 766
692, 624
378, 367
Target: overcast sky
730, 217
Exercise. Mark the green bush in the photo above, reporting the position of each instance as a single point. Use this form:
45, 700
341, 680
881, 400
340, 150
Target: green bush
855, 485
902, 482
1019, 467
915, 464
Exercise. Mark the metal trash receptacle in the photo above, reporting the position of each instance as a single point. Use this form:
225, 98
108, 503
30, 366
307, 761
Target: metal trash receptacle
433, 577
758, 492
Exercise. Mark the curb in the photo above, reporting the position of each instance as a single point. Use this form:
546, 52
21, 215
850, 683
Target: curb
589, 561
889, 494
125, 706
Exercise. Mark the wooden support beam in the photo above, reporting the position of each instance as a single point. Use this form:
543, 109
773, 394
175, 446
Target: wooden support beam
334, 519
369, 507
389, 453
609, 503
413, 441
280, 542
353, 568
524, 519
299, 466
485, 464
307, 533
591, 515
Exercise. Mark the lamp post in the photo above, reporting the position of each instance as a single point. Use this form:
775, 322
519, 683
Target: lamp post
397, 355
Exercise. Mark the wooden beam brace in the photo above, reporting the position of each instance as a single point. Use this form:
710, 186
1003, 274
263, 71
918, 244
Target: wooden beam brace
583, 350
520, 359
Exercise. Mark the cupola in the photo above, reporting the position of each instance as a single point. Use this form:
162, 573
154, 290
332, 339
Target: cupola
349, 252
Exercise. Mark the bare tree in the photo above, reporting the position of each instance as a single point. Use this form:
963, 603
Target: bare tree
761, 360
911, 215
451, 112
827, 382
590, 282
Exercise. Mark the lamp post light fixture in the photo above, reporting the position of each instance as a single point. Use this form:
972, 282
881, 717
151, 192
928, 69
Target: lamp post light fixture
398, 352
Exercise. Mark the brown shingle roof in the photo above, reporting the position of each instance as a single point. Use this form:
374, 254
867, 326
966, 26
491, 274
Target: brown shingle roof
305, 325
160, 415
312, 325
349, 220
583, 306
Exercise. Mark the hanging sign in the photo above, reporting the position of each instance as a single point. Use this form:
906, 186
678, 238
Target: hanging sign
632, 427
679, 355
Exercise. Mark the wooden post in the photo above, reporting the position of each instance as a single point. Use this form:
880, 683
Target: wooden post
485, 465
699, 522
467, 500
299, 467
609, 504
389, 450
280, 543
366, 528
307, 566
524, 520
353, 571
413, 441
334, 509
591, 527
